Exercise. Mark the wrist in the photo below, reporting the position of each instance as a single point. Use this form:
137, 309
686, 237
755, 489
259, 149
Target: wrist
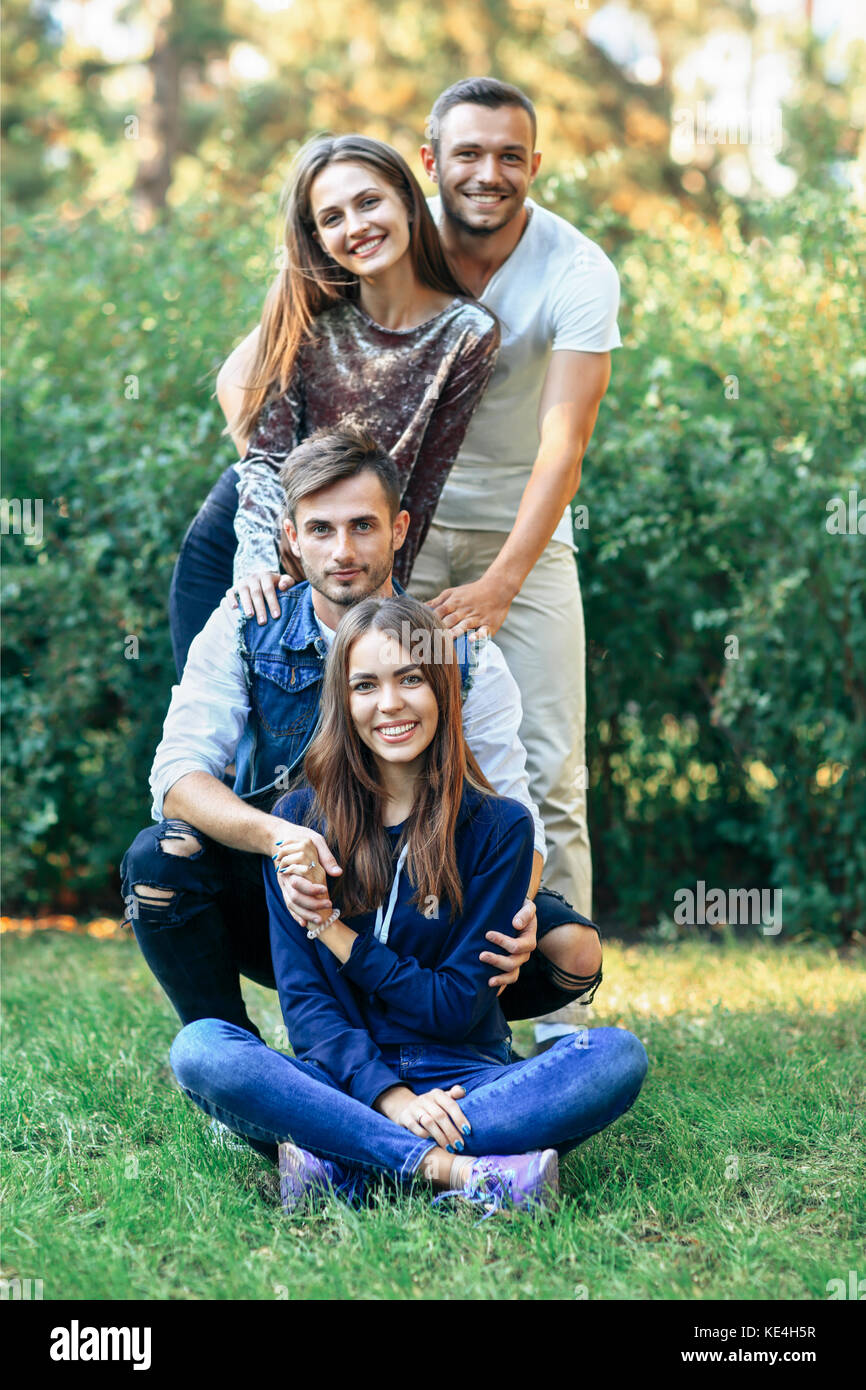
317, 931
338, 939
504, 578
274, 830
392, 1101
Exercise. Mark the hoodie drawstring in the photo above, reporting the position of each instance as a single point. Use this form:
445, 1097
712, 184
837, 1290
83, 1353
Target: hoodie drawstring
383, 924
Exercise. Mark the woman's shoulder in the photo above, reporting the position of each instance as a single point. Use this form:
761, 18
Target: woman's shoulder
472, 316
489, 811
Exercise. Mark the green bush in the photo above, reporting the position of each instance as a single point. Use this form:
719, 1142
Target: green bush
726, 624
95, 313
707, 521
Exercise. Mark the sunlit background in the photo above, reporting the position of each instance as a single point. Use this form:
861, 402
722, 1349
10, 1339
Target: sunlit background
716, 152
173, 97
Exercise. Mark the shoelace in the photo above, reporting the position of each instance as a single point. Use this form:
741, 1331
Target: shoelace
495, 1192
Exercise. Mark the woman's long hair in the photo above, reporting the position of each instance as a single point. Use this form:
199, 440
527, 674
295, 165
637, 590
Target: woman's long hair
310, 281
349, 794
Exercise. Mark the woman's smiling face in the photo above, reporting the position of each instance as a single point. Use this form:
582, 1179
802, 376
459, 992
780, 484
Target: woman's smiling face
360, 218
391, 702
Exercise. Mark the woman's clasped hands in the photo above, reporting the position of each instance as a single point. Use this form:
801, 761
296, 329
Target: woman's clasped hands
299, 858
433, 1115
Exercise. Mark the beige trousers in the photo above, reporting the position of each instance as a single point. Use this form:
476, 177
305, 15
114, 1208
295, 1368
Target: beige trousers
543, 642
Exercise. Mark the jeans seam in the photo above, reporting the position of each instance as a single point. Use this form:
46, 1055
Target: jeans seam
411, 1163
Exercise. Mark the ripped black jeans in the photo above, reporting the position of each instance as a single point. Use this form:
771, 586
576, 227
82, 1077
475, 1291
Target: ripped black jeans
200, 917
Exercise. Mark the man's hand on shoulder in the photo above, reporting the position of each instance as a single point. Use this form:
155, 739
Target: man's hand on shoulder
483, 604
257, 594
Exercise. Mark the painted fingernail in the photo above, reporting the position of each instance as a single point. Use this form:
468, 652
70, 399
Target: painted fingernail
460, 1146
449, 1148
466, 1129
279, 842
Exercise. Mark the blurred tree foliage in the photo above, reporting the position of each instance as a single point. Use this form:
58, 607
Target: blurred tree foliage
223, 90
725, 620
735, 416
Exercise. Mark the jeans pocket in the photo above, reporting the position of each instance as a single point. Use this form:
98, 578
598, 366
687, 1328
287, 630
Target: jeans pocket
496, 1054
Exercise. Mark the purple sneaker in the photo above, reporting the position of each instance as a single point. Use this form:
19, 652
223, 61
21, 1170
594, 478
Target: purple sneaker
529, 1181
302, 1174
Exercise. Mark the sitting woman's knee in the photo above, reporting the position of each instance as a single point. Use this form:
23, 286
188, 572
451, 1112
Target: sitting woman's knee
191, 1050
631, 1057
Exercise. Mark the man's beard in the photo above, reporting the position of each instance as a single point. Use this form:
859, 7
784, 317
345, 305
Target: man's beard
450, 208
344, 596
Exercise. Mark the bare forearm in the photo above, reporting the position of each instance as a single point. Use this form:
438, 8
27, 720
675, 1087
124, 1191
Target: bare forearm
208, 804
550, 488
572, 394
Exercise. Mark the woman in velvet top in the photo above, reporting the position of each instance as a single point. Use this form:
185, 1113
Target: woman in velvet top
402, 1064
364, 322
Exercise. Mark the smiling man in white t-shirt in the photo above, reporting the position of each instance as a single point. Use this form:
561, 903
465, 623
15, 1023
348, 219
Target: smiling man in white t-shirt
500, 553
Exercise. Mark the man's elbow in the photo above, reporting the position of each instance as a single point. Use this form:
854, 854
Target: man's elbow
566, 461
174, 800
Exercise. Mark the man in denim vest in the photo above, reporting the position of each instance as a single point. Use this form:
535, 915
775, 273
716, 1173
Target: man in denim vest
249, 697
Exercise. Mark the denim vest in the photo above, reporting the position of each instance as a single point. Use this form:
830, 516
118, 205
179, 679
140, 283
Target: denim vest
283, 664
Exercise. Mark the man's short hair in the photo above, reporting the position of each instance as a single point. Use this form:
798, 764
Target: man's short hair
477, 91
328, 456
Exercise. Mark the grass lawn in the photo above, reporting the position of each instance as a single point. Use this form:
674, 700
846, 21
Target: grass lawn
739, 1172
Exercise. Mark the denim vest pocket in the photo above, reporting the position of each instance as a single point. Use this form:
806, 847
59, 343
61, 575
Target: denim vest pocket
284, 694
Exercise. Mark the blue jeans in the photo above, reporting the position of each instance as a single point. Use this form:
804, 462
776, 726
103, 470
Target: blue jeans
205, 565
578, 1087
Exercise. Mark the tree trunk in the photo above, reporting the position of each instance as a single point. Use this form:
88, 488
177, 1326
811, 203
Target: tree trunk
158, 124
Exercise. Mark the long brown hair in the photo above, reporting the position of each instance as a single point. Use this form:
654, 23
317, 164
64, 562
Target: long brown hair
310, 281
349, 794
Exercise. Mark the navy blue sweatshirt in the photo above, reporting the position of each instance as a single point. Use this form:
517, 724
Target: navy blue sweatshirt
427, 984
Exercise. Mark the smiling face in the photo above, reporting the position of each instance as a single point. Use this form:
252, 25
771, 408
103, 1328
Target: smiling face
485, 165
345, 538
391, 702
360, 218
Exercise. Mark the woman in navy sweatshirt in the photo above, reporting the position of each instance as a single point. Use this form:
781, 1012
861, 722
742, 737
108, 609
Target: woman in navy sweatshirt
402, 1061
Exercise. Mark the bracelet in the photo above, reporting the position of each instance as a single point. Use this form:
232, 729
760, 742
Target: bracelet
313, 932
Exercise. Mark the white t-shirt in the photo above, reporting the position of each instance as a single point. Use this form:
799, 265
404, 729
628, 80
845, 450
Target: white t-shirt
557, 291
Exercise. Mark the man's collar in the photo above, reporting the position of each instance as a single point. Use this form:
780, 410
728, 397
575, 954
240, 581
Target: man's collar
302, 629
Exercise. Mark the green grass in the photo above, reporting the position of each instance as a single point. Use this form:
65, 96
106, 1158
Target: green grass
739, 1172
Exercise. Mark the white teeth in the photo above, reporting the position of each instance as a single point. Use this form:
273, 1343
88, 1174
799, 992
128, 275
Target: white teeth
396, 730
368, 245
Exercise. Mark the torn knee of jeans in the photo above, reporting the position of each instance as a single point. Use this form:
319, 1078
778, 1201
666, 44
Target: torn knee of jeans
578, 985
156, 901
181, 840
